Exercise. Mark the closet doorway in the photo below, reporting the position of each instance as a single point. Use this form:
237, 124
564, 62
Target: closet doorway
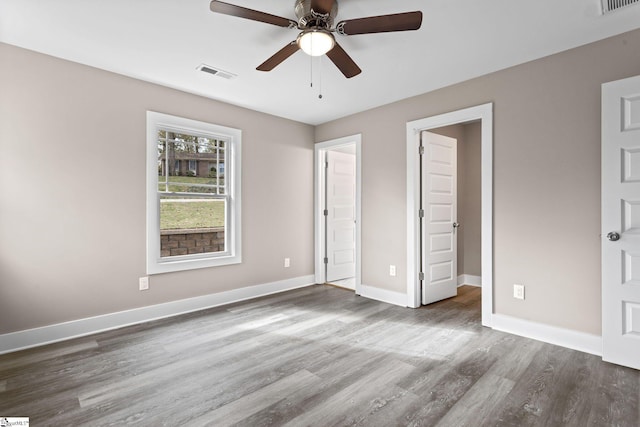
337, 212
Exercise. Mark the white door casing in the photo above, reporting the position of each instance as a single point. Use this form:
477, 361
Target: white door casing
621, 215
439, 195
341, 215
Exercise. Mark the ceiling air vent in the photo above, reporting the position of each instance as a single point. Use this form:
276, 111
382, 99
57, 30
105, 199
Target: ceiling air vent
611, 5
216, 71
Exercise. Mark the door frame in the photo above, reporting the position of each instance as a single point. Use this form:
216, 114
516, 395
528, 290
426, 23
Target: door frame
484, 113
320, 149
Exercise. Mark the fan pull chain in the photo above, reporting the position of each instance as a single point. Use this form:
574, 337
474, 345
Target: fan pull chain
319, 73
311, 70
311, 63
320, 79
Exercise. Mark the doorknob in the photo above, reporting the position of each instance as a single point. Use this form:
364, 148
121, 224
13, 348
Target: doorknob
613, 236
456, 225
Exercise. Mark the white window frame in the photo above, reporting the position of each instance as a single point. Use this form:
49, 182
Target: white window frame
233, 255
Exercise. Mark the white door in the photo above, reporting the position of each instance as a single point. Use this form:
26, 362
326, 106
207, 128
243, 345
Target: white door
439, 194
341, 215
621, 222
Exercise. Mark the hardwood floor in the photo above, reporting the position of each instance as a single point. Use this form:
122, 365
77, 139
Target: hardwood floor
318, 356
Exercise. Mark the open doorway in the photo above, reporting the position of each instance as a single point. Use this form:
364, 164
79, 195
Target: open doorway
337, 212
451, 228
456, 121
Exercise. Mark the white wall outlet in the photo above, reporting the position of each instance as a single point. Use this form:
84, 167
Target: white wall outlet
392, 270
287, 262
144, 283
518, 291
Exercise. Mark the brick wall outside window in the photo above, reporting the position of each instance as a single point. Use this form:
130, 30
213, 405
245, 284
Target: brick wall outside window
187, 242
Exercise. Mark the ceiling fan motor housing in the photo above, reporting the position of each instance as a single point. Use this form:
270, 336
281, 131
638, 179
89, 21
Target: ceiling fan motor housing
307, 17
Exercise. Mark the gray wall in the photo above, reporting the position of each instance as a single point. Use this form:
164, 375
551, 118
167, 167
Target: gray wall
469, 199
546, 179
72, 193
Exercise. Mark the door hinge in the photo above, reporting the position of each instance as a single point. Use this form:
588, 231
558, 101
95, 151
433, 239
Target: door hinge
326, 260
325, 212
421, 150
421, 276
421, 213
326, 165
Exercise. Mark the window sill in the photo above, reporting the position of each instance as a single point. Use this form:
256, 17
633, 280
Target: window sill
189, 263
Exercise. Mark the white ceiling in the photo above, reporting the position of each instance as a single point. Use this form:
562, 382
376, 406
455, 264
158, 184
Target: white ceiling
163, 41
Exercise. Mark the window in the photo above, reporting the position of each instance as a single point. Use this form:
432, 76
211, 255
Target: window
193, 214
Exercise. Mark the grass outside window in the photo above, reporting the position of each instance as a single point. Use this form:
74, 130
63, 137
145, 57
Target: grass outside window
177, 214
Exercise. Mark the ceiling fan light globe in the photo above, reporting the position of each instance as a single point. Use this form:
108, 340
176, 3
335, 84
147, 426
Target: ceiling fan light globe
316, 42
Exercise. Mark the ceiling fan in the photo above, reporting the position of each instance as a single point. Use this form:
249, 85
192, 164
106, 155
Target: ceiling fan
315, 20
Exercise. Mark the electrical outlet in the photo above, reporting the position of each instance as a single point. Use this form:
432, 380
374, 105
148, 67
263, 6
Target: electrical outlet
287, 262
392, 270
144, 283
518, 291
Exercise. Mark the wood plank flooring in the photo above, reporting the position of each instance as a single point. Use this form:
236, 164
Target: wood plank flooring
318, 356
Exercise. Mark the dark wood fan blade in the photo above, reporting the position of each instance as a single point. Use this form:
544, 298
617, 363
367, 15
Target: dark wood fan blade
254, 15
381, 24
279, 57
322, 6
343, 61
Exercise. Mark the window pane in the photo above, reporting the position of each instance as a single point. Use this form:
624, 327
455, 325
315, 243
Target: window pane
191, 213
196, 164
191, 225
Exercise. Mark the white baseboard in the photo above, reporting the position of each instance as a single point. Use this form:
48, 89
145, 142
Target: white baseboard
20, 340
390, 297
568, 338
468, 279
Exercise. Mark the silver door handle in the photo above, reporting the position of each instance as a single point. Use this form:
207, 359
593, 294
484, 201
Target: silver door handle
456, 225
613, 236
